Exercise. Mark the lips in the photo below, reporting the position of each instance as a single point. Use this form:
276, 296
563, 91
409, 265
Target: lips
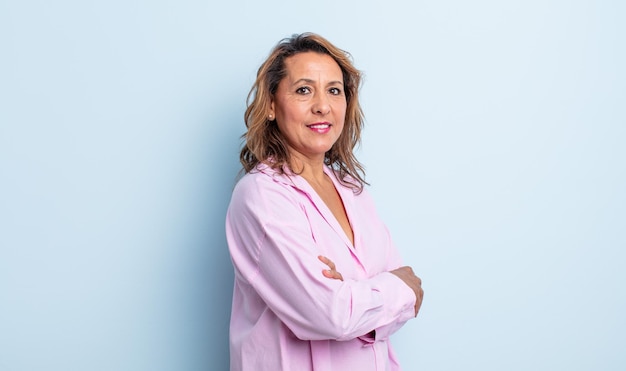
320, 127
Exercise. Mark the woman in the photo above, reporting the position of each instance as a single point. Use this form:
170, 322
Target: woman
318, 282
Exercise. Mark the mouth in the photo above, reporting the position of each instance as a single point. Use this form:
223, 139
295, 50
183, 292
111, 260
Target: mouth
320, 126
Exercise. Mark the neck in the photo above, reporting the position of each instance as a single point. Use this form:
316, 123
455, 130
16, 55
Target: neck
311, 169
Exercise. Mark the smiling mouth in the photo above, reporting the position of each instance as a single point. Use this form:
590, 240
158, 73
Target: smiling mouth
319, 126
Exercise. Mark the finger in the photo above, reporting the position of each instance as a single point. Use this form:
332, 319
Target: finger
327, 261
329, 273
419, 301
333, 274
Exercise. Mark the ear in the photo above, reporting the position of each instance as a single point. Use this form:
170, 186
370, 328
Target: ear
272, 111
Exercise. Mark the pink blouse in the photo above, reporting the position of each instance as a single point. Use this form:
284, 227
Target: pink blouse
285, 314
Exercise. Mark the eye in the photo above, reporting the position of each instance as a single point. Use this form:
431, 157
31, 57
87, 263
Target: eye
335, 91
303, 90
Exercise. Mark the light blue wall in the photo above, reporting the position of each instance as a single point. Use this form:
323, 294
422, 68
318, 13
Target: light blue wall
495, 145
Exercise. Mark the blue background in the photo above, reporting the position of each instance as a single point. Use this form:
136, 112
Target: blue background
495, 146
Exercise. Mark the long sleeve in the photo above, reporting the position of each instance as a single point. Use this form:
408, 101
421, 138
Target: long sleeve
274, 249
394, 261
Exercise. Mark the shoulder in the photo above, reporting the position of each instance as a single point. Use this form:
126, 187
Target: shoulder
263, 189
262, 179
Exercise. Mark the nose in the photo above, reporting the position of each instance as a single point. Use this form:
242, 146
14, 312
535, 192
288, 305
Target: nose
321, 104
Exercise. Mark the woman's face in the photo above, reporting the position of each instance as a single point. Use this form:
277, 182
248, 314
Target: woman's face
310, 104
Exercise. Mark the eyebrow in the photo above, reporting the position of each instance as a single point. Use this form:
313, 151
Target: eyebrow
309, 81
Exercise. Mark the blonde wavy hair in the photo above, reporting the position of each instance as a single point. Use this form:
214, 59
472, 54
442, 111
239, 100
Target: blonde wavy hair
263, 142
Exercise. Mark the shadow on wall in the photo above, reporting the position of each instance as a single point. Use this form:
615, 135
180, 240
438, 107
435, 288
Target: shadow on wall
210, 267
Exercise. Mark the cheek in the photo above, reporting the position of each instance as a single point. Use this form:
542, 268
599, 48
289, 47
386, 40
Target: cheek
343, 129
341, 110
291, 111
341, 118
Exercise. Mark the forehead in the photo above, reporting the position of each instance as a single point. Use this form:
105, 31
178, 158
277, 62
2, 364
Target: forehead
312, 65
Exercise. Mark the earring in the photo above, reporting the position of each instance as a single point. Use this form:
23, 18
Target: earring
271, 117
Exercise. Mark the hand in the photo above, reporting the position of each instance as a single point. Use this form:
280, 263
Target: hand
332, 272
414, 282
